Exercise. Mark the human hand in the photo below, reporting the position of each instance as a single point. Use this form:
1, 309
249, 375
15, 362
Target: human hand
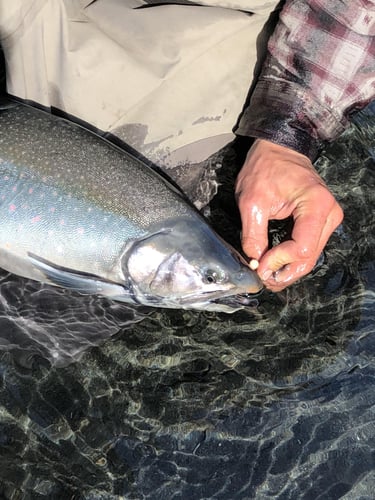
276, 182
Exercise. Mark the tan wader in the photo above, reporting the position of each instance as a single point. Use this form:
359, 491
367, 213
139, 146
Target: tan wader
169, 80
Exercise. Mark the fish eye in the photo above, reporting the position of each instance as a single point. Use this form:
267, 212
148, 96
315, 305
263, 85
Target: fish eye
212, 276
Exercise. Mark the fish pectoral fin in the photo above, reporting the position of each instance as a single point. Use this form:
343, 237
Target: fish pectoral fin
79, 281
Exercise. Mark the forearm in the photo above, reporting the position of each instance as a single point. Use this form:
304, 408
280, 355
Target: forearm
320, 67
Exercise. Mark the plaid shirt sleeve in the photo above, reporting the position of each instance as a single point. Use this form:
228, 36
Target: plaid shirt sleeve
319, 69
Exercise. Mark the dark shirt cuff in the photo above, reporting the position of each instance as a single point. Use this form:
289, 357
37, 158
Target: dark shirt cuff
277, 113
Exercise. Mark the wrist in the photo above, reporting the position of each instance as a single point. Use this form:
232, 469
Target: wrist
264, 148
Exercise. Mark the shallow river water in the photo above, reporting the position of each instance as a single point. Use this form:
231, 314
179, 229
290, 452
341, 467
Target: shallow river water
98, 401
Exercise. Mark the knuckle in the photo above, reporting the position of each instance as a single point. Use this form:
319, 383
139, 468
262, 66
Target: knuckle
306, 253
338, 214
246, 202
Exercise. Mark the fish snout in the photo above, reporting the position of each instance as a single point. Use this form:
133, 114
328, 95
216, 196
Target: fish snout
248, 281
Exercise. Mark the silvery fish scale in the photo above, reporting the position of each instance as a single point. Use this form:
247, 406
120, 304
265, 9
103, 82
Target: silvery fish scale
79, 212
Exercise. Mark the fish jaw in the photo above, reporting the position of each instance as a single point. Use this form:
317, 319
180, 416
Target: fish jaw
185, 264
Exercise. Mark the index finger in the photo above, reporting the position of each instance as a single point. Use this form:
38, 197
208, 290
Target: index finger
254, 237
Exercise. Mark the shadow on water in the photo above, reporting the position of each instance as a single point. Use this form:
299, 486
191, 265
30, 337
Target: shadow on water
272, 402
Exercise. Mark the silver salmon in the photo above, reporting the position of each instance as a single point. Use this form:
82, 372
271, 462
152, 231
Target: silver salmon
78, 212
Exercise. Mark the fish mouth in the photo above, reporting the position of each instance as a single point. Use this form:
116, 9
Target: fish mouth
221, 297
239, 300
219, 301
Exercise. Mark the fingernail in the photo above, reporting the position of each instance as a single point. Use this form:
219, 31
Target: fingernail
266, 275
276, 276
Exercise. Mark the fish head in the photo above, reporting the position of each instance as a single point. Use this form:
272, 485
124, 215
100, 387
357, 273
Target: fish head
185, 264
